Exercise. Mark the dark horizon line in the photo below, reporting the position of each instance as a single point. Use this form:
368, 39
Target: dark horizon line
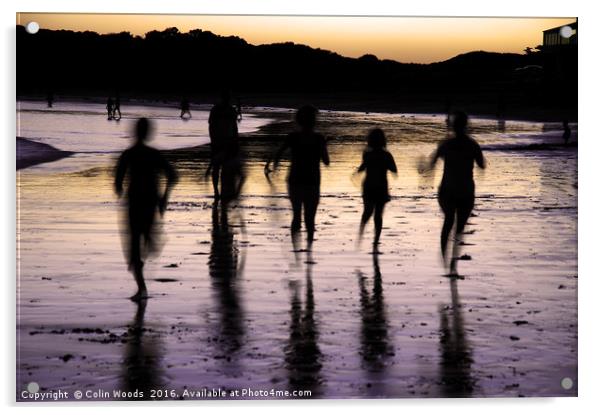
265, 44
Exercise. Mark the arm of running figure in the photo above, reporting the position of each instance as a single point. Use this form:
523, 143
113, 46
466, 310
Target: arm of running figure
275, 159
172, 178
120, 172
392, 166
324, 155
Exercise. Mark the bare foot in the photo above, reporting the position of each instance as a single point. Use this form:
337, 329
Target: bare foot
139, 296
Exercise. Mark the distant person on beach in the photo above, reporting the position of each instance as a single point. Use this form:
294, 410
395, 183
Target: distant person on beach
143, 166
566, 135
308, 149
185, 109
110, 108
239, 109
50, 99
223, 133
117, 108
457, 189
376, 162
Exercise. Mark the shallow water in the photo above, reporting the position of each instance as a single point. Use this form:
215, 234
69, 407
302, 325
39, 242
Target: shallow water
233, 307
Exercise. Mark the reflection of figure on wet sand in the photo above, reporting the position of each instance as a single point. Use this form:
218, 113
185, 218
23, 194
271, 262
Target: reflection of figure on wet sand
225, 271
223, 132
456, 354
143, 166
302, 353
375, 348
566, 134
308, 149
141, 364
457, 189
377, 162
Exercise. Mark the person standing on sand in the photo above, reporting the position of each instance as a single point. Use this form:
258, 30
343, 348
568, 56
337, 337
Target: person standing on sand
457, 190
117, 108
143, 166
566, 135
185, 109
376, 161
109, 108
223, 133
308, 149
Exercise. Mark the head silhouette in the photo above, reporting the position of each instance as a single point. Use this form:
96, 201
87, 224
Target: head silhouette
460, 123
377, 139
306, 117
225, 96
143, 130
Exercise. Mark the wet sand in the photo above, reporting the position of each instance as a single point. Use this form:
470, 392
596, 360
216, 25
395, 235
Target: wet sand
233, 307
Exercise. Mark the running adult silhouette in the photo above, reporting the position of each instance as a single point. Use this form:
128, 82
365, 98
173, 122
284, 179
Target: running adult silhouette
308, 148
457, 189
223, 132
143, 166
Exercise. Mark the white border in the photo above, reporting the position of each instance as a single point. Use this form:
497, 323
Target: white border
590, 97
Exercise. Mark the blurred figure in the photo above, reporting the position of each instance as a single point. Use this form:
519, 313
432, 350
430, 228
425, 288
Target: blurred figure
50, 99
109, 108
566, 135
143, 166
117, 108
239, 109
308, 149
223, 132
457, 190
376, 161
185, 109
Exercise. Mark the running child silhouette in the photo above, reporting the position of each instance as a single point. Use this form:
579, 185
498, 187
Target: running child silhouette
308, 149
457, 190
376, 162
143, 166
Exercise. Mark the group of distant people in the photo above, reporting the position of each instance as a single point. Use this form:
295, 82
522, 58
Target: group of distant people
144, 165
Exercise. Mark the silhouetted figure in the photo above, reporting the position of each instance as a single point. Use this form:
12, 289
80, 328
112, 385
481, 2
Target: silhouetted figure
50, 99
448, 106
566, 135
143, 166
302, 353
375, 349
308, 149
223, 132
142, 361
110, 108
117, 108
376, 162
185, 109
457, 189
456, 354
239, 109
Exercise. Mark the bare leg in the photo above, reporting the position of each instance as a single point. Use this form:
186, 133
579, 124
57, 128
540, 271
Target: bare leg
448, 224
137, 265
368, 210
296, 205
463, 215
378, 223
215, 175
309, 210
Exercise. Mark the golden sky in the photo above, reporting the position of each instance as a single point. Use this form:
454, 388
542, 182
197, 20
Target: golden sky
405, 39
